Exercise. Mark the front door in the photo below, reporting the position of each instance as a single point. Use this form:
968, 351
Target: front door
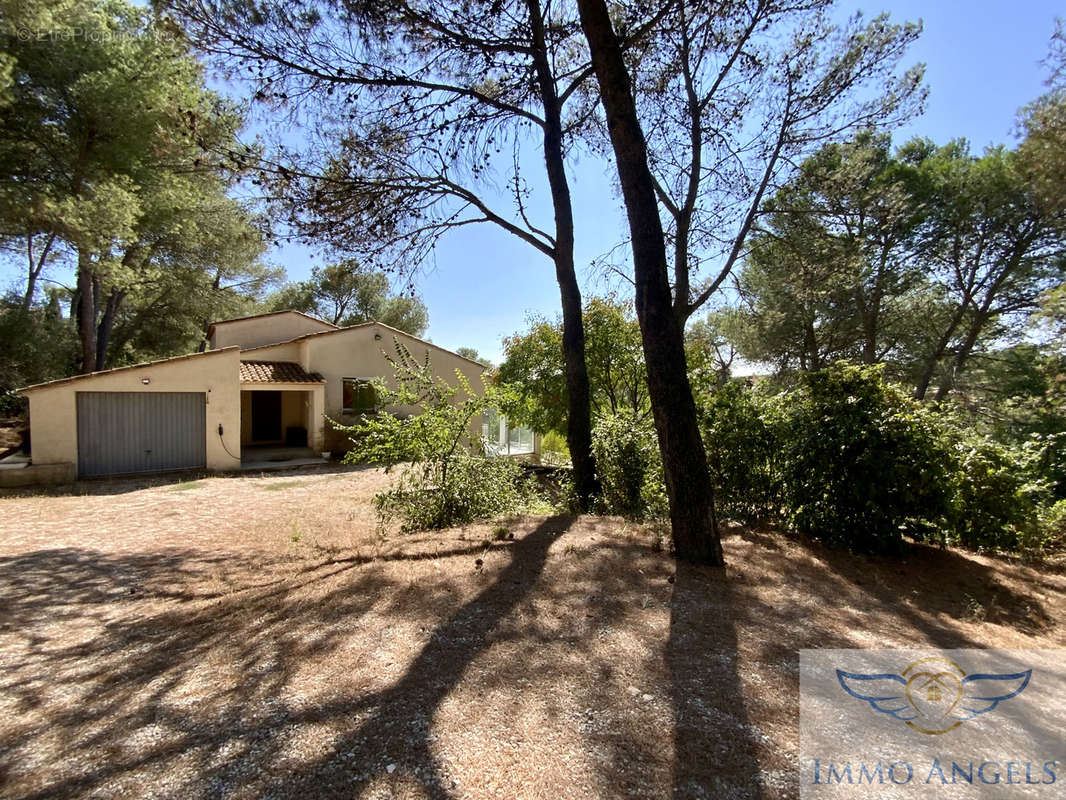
266, 416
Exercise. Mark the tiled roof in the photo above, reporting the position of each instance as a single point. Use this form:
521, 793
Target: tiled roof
276, 372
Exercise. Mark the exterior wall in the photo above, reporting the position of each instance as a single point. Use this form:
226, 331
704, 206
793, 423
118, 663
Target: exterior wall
355, 353
265, 329
289, 351
53, 409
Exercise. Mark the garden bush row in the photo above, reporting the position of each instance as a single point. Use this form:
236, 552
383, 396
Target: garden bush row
849, 459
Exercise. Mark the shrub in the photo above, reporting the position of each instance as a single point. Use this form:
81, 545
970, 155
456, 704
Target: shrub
1047, 537
630, 468
861, 463
445, 477
458, 490
741, 432
553, 449
996, 498
1050, 462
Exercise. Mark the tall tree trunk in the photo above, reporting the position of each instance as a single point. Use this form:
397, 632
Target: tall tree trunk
579, 414
106, 325
215, 285
929, 367
688, 479
34, 267
958, 362
86, 311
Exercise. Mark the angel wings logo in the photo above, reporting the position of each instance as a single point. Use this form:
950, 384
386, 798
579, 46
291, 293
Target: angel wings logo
934, 695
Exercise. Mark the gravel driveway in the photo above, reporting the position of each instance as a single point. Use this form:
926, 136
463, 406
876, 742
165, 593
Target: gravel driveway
259, 636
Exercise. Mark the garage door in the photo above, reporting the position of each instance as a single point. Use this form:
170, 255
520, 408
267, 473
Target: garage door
125, 432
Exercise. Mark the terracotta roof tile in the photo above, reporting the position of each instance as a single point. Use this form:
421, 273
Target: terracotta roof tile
276, 372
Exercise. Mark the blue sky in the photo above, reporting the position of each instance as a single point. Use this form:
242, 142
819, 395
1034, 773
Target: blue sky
982, 64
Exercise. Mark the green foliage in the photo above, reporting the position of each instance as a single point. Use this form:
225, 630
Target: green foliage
1050, 462
742, 434
11, 404
473, 355
1047, 538
427, 426
553, 449
347, 293
110, 163
630, 468
995, 498
35, 345
534, 374
463, 488
920, 259
861, 464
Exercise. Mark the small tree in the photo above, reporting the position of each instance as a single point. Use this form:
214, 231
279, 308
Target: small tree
445, 478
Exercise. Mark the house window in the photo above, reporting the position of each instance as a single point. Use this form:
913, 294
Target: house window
359, 396
500, 438
490, 426
520, 440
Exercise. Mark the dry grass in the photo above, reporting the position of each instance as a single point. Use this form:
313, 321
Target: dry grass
258, 637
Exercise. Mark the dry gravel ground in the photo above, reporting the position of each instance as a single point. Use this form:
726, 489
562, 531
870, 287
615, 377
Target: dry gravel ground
257, 636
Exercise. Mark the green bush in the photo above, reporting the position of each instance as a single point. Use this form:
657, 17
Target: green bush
630, 468
445, 477
462, 489
1050, 462
741, 432
553, 449
12, 405
1047, 537
996, 497
861, 463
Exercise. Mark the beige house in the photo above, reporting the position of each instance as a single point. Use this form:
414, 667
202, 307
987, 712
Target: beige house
267, 384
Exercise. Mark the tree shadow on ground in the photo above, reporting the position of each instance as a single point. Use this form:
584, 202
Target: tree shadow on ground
394, 739
204, 674
934, 588
137, 670
716, 747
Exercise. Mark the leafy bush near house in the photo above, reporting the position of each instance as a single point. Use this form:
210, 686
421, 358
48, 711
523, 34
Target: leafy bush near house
445, 478
630, 468
553, 449
860, 462
463, 488
741, 432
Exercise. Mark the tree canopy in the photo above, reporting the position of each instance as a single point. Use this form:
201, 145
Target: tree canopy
347, 293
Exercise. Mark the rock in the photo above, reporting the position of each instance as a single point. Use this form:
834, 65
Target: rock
391, 768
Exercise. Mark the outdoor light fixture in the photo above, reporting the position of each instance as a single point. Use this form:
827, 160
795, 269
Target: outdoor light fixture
146, 381
377, 336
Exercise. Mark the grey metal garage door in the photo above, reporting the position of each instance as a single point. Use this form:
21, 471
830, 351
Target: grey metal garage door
124, 432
